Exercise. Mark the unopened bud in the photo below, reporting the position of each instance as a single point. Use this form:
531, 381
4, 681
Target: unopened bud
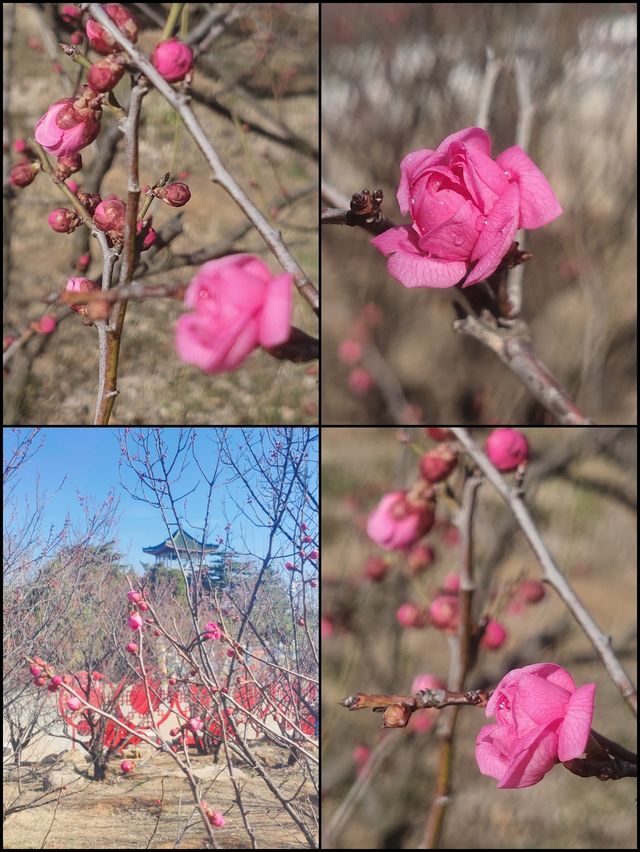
63, 220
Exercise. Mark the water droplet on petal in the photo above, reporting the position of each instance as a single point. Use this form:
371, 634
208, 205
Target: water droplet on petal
204, 294
507, 174
457, 240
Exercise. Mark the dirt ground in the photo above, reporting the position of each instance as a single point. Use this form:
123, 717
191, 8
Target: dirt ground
121, 812
54, 381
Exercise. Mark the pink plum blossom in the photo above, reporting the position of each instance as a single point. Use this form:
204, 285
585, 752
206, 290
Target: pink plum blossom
410, 615
67, 126
397, 522
507, 448
541, 719
238, 305
465, 209
494, 635
135, 621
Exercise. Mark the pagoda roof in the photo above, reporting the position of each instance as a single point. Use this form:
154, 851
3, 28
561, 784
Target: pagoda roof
183, 542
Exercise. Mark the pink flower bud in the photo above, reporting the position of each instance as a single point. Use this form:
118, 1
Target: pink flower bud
410, 615
20, 146
35, 670
135, 621
63, 220
350, 352
70, 14
494, 635
134, 596
102, 41
127, 766
173, 59
132, 648
110, 216
313, 583
143, 606
149, 236
82, 263
68, 165
375, 569
451, 582
46, 324
212, 631
360, 381
531, 591
361, 754
73, 703
438, 463
230, 653
68, 126
40, 680
507, 449
73, 185
22, 174
54, 683
313, 554
289, 566
443, 613
195, 724
174, 732
80, 285
77, 37
175, 194
105, 74
215, 818
438, 434
398, 521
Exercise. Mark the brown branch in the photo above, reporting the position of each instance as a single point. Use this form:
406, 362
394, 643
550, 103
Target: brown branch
365, 212
512, 345
551, 572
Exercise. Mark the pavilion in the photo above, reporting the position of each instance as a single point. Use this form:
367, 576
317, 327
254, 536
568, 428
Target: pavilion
168, 552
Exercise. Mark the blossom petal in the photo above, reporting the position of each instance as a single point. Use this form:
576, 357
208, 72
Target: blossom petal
411, 267
538, 202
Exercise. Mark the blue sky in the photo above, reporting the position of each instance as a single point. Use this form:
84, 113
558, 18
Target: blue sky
86, 462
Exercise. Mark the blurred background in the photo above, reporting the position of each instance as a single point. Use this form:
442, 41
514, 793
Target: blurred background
378, 785
397, 77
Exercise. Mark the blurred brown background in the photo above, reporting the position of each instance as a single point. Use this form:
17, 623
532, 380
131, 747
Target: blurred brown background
402, 76
580, 488
261, 69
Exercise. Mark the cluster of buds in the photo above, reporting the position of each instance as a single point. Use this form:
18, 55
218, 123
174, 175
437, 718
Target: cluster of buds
101, 40
216, 819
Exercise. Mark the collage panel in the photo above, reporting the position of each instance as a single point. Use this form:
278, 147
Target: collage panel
478, 255
479, 638
161, 638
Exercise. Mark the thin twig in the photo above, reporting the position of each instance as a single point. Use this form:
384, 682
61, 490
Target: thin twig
551, 572
492, 70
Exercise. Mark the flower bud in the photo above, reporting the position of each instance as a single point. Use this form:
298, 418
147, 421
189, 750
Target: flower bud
507, 449
102, 41
110, 216
132, 648
215, 818
105, 74
420, 557
73, 703
54, 683
40, 680
175, 194
135, 621
438, 463
443, 613
531, 591
70, 14
494, 635
22, 174
410, 615
360, 381
82, 263
195, 724
173, 59
438, 434
80, 285
134, 596
149, 236
45, 324
63, 220
350, 352
127, 766
77, 37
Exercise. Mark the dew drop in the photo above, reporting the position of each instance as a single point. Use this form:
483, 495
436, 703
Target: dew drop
457, 240
204, 294
507, 174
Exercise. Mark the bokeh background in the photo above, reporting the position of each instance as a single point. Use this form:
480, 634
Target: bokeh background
581, 490
260, 71
401, 76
